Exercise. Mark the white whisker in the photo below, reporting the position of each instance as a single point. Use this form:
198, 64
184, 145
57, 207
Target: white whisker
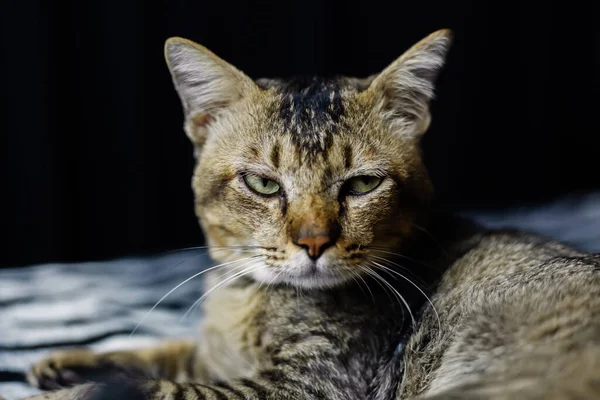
203, 253
403, 268
375, 249
365, 121
400, 297
236, 268
212, 248
438, 244
367, 270
418, 288
355, 275
247, 270
181, 284
273, 280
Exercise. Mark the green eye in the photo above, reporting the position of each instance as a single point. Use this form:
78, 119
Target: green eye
362, 184
261, 185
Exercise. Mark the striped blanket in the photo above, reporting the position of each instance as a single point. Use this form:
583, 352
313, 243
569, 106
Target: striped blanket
98, 304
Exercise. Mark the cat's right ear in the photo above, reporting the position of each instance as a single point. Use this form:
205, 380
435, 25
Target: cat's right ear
206, 84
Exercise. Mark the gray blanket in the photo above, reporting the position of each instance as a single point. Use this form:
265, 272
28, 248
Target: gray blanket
97, 304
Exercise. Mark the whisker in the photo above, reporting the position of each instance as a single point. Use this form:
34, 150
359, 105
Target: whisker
203, 253
212, 247
366, 120
237, 275
300, 292
438, 244
391, 267
215, 287
400, 297
273, 280
384, 270
386, 251
418, 288
236, 268
356, 275
181, 284
197, 256
368, 272
403, 268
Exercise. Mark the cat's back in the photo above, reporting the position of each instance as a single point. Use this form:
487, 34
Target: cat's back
520, 317
515, 269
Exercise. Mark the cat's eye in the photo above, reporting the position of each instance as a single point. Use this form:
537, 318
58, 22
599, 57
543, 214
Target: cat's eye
362, 184
260, 185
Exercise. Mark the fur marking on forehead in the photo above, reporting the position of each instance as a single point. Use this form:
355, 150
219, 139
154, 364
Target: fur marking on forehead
311, 110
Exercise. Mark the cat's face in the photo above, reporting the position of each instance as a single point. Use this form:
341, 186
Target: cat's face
311, 175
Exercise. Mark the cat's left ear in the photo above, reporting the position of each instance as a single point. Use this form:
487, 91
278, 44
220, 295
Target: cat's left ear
404, 89
206, 84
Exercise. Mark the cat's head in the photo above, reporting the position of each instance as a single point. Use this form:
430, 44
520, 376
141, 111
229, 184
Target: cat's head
314, 175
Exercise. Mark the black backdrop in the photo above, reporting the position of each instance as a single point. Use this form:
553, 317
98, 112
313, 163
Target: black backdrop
95, 163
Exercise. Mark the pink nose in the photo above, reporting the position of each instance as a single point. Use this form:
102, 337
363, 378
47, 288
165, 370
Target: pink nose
314, 245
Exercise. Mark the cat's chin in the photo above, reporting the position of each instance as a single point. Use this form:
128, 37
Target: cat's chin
304, 280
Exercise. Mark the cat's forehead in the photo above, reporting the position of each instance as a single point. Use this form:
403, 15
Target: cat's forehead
312, 110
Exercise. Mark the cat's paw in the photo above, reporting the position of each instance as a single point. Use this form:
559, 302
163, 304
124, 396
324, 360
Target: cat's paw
64, 369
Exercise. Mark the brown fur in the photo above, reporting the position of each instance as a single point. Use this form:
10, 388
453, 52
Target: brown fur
520, 320
518, 315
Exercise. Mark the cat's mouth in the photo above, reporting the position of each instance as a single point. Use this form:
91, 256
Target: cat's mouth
311, 270
307, 275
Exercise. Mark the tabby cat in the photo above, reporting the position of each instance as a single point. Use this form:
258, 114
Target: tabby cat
313, 196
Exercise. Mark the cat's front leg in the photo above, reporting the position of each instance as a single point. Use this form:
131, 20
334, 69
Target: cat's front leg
175, 360
310, 368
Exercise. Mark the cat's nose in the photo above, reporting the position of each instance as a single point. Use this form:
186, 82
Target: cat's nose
315, 240
315, 245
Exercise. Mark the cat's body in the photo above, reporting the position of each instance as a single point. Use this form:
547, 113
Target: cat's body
314, 197
520, 320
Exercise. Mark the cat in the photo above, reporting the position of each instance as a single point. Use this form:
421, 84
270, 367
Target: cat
313, 196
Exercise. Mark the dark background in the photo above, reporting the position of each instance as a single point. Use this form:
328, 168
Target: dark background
95, 163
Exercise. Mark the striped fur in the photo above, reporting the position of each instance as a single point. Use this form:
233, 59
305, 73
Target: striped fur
290, 326
278, 331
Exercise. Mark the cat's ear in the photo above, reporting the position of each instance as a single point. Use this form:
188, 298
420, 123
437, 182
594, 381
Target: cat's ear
406, 86
206, 84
